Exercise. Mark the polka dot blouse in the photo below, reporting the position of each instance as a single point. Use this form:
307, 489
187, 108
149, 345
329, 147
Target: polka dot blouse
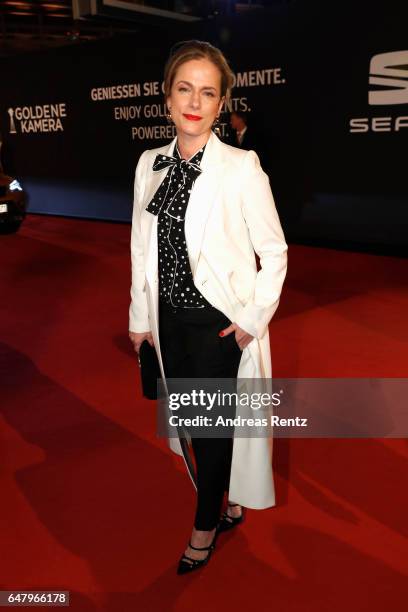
176, 286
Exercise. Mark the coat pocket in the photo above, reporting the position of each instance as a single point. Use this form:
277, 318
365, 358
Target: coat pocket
242, 286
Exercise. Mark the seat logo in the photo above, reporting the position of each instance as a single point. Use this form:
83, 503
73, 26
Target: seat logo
389, 70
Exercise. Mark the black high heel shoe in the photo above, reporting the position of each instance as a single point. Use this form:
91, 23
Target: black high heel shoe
227, 522
185, 566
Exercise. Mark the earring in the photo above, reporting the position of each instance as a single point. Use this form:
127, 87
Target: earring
169, 117
216, 123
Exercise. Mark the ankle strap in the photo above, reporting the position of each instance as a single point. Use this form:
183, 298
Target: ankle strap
205, 547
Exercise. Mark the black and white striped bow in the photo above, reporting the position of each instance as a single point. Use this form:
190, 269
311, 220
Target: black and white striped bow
182, 175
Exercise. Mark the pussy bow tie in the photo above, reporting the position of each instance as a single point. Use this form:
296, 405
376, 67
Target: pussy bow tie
183, 173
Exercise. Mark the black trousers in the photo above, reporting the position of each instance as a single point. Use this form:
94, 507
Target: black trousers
192, 348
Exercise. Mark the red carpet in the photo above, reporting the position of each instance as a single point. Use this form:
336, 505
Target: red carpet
95, 504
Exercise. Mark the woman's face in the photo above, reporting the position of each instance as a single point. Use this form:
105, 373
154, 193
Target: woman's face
195, 98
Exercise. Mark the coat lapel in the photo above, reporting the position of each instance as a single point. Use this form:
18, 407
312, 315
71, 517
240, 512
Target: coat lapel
202, 198
149, 221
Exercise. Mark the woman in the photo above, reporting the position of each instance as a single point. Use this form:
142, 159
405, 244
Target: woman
201, 209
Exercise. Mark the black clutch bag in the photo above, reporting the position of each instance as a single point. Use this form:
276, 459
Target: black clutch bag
149, 370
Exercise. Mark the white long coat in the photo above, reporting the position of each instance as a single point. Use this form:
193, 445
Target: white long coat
230, 214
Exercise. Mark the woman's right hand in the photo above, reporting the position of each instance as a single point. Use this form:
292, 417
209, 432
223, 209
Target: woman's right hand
137, 339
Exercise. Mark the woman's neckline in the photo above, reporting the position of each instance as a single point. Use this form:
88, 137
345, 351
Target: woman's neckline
191, 156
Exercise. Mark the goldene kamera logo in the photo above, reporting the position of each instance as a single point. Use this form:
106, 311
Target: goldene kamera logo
41, 118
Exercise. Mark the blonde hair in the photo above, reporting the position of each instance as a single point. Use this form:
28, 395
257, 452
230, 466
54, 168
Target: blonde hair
197, 49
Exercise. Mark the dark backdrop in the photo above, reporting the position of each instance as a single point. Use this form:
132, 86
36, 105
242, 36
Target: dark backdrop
331, 185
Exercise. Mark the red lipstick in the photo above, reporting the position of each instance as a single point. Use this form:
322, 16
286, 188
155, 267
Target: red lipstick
192, 117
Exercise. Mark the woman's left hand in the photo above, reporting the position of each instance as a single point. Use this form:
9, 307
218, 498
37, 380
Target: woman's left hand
242, 337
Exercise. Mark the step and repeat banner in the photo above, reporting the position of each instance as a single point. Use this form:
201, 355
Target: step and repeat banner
326, 96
